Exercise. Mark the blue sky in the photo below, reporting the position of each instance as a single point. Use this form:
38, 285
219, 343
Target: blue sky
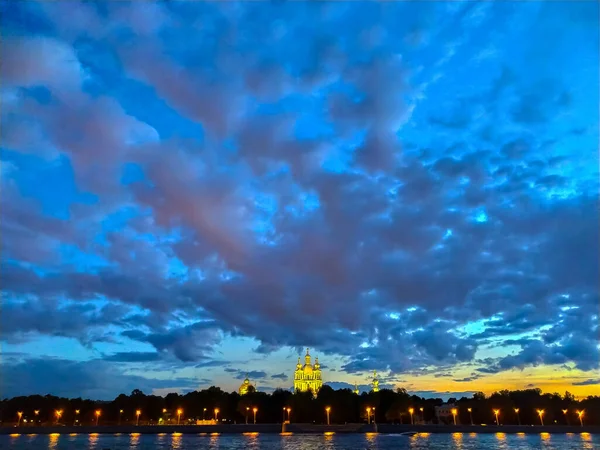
193, 191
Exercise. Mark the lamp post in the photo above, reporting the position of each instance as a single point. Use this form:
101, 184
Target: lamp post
58, 413
138, 413
374, 416
37, 413
565, 412
470, 415
203, 414
20, 415
283, 415
518, 416
454, 411
422, 415
76, 418
368, 415
98, 412
120, 414
247, 409
216, 414
411, 411
327, 409
580, 414
179, 413
255, 410
496, 413
541, 414
289, 410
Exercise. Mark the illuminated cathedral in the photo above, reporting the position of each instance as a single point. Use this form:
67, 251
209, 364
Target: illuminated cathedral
308, 377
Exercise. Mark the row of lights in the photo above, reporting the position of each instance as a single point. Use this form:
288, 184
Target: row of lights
59, 412
540, 413
411, 411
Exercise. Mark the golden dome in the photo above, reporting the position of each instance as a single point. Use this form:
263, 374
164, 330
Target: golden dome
308, 368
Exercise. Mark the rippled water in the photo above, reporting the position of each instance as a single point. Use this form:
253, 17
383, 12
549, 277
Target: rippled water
462, 441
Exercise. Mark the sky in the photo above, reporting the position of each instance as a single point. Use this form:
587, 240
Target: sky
195, 191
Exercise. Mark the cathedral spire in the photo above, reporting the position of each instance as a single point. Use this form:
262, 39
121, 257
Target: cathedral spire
375, 383
307, 357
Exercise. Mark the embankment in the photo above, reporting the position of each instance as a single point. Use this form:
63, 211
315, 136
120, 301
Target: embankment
297, 428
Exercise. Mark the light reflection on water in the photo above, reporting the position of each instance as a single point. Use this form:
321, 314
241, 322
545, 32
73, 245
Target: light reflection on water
53, 441
329, 441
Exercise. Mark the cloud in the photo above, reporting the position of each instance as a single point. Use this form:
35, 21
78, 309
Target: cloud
588, 382
280, 376
133, 357
96, 379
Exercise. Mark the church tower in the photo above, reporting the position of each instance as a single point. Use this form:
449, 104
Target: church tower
375, 382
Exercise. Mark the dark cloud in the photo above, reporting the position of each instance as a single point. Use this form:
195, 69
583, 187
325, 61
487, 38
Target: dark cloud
588, 382
252, 374
133, 357
88, 379
280, 376
466, 379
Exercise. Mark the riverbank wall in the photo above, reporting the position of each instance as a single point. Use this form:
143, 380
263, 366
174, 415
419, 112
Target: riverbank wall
297, 429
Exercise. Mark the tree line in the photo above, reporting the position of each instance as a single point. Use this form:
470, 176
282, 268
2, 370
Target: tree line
388, 406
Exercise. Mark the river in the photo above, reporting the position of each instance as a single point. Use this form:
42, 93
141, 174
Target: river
371, 441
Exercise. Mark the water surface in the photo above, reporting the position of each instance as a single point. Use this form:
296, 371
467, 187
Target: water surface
370, 441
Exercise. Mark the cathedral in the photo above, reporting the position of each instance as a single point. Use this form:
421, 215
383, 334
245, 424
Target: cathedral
308, 377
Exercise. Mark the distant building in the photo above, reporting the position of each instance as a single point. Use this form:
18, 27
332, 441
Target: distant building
246, 387
375, 382
308, 377
444, 413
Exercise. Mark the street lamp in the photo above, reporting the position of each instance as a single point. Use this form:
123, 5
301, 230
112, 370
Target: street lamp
289, 410
58, 413
37, 413
496, 412
120, 414
411, 411
216, 414
470, 415
518, 416
541, 414
247, 409
255, 410
368, 415
374, 417
422, 415
179, 413
203, 414
138, 412
580, 414
20, 414
565, 412
327, 409
283, 415
454, 411
98, 412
